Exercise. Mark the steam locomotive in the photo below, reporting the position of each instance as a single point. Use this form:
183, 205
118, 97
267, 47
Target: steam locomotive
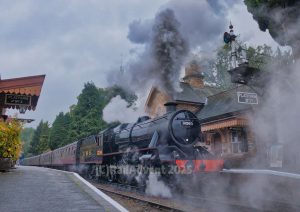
166, 143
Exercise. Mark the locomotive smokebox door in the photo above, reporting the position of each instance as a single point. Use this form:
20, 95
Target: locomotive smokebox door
243, 74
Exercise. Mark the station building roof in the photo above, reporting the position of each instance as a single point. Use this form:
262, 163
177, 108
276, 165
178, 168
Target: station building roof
225, 103
30, 86
194, 95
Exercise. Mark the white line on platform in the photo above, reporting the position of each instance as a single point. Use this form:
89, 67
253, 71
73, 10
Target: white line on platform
262, 171
100, 193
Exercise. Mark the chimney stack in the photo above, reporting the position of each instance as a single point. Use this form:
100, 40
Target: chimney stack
193, 75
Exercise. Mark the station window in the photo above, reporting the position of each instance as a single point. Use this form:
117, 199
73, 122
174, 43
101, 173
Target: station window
239, 142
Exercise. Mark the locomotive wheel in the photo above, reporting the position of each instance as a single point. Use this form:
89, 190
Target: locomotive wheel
91, 172
141, 181
111, 175
111, 178
121, 179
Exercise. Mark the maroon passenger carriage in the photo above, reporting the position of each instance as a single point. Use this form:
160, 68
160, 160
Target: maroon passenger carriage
64, 157
46, 159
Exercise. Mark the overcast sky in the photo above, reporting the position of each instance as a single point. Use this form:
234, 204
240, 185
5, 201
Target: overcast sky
75, 41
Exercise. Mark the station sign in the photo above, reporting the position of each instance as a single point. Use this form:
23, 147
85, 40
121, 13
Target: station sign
247, 98
14, 99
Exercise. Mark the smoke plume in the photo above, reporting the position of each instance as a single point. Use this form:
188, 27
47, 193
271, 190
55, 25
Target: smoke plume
165, 43
118, 110
165, 51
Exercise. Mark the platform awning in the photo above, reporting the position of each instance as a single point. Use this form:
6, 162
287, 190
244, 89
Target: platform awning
232, 122
21, 92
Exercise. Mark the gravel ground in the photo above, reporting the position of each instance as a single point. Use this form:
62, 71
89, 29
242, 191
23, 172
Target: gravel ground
133, 205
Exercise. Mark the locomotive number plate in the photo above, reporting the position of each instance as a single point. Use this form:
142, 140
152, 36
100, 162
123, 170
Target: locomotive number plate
187, 123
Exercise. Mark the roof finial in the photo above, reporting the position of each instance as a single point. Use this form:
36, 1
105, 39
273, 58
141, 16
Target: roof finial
231, 28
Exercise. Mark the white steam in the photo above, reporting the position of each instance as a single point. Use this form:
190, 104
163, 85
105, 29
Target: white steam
156, 187
277, 120
118, 110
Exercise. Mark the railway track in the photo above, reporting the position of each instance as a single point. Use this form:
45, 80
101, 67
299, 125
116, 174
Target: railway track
192, 201
187, 202
155, 202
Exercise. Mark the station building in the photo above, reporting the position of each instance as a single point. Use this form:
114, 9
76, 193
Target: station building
225, 125
224, 120
20, 93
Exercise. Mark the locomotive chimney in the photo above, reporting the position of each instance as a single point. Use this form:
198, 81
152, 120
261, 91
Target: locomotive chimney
170, 107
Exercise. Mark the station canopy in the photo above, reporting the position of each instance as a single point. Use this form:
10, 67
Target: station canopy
23, 92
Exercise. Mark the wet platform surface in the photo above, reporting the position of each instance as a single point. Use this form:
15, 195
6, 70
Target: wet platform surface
39, 189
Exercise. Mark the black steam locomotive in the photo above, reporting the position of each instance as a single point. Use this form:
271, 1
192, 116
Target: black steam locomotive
166, 143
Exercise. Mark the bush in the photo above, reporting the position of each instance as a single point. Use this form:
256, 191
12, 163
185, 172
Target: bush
10, 142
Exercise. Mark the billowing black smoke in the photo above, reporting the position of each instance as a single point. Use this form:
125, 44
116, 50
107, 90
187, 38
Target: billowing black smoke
165, 44
165, 51
169, 50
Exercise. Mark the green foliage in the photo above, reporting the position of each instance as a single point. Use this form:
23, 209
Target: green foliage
59, 131
217, 69
10, 142
260, 57
44, 138
116, 90
86, 115
26, 137
85, 118
39, 142
274, 16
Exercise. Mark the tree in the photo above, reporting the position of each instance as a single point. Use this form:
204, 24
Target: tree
33, 149
280, 18
44, 138
59, 134
259, 57
114, 91
216, 72
85, 118
86, 115
26, 137
39, 142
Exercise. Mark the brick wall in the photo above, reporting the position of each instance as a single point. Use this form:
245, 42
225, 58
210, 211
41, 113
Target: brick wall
156, 105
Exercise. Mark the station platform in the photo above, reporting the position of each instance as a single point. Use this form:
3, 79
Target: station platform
28, 188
